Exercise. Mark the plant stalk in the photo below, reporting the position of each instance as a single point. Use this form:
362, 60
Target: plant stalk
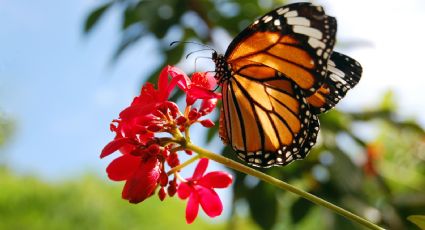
283, 185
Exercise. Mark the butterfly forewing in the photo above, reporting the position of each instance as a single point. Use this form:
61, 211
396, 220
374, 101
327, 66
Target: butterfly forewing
295, 40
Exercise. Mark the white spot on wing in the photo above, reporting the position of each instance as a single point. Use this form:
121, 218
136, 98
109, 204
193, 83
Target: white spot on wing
309, 31
267, 18
301, 21
291, 14
337, 78
281, 11
316, 43
336, 71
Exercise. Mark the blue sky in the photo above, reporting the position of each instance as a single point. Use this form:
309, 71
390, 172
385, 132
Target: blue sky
57, 85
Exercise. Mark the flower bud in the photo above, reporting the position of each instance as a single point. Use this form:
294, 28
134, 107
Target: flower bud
163, 179
181, 120
207, 123
172, 188
193, 115
189, 152
173, 160
162, 194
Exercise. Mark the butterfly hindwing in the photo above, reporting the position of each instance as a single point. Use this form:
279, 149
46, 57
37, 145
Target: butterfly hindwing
267, 122
343, 74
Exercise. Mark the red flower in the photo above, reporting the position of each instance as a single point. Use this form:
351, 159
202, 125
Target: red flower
144, 155
200, 87
142, 170
200, 191
150, 97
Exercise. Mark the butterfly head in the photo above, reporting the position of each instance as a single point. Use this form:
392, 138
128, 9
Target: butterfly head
222, 70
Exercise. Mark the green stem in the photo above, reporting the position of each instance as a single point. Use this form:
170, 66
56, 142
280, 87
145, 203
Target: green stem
186, 163
283, 185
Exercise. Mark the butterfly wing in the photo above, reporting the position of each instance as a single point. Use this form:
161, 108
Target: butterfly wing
282, 72
275, 64
343, 74
296, 40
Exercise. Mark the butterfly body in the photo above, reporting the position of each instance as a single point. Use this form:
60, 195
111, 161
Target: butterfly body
276, 76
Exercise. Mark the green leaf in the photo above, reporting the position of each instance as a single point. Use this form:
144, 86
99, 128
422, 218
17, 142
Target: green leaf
94, 16
419, 220
262, 202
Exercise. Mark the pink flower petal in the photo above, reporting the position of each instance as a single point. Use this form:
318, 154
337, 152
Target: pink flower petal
163, 79
143, 182
184, 191
207, 106
138, 110
211, 80
210, 201
179, 78
192, 208
200, 169
114, 146
122, 167
216, 179
202, 93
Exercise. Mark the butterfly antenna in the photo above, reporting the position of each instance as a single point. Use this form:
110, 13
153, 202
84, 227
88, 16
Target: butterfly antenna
196, 51
196, 43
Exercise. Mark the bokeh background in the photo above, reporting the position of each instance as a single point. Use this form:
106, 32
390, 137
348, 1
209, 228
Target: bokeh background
67, 68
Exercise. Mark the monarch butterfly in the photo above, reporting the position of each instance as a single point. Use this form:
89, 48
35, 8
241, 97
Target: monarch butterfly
276, 76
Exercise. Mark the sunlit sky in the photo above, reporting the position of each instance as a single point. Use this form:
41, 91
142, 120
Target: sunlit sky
58, 86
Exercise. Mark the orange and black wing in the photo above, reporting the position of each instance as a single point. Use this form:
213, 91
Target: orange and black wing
296, 40
343, 73
265, 117
275, 64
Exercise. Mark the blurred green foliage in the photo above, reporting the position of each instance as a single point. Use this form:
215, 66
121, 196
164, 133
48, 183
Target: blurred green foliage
85, 203
380, 178
418, 220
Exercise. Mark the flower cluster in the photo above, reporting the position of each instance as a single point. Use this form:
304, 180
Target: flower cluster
146, 152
